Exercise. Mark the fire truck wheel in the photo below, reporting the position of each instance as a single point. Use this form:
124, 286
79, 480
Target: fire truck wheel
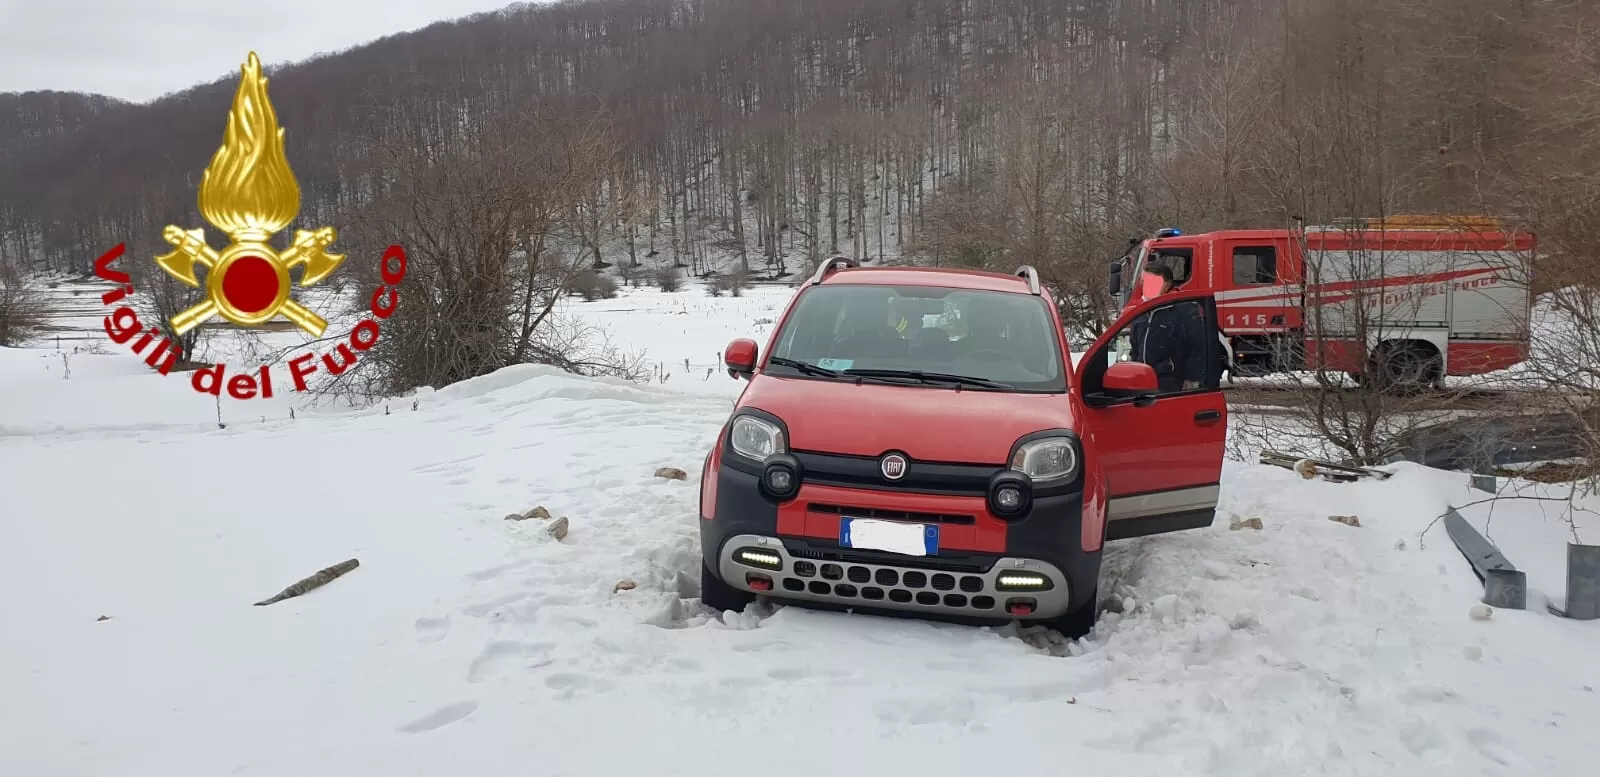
1406, 367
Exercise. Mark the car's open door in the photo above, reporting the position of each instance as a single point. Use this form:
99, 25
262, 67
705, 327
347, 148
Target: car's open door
1160, 448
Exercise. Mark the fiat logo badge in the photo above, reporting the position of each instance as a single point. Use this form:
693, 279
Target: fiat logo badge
893, 466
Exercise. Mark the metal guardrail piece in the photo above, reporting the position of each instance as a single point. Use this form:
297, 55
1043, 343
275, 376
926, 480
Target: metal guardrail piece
1504, 586
1583, 582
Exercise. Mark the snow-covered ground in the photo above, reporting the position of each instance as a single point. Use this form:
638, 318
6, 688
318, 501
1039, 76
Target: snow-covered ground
136, 535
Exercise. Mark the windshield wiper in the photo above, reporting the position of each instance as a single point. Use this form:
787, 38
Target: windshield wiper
930, 377
809, 369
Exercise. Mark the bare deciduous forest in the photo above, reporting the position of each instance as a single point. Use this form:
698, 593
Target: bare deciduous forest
952, 130
760, 136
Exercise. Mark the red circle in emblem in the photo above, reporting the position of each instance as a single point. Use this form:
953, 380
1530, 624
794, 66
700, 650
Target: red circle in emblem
251, 284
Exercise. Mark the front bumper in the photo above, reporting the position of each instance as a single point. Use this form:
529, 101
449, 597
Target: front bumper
842, 576
956, 583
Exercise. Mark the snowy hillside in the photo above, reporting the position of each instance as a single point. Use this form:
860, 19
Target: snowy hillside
136, 535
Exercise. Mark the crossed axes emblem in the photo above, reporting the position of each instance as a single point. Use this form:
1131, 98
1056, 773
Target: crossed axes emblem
260, 286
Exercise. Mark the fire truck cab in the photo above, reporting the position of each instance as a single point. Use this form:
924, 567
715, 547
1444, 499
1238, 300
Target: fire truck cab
1404, 300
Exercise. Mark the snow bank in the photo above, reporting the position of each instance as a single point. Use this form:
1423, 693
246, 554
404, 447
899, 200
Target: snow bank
468, 640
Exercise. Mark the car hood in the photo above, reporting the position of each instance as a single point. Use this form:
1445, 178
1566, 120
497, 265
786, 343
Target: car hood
930, 424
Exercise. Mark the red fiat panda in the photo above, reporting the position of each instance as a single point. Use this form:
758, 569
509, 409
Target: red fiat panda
917, 441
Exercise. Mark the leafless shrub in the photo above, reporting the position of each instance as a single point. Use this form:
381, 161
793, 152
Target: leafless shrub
592, 285
629, 273
159, 297
734, 282
667, 278
23, 308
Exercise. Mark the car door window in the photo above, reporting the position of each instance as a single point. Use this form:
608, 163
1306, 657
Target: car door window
1175, 341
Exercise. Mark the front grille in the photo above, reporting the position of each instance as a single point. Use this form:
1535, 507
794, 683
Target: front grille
928, 477
964, 584
937, 589
892, 515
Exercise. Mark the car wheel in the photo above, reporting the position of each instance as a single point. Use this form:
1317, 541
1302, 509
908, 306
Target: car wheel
1077, 623
720, 596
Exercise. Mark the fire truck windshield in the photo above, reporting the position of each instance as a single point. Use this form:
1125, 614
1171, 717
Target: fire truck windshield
1137, 265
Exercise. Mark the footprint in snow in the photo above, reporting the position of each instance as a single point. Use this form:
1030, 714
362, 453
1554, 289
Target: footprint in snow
440, 718
506, 657
567, 685
433, 629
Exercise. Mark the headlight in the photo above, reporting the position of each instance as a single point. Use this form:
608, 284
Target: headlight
1047, 459
756, 439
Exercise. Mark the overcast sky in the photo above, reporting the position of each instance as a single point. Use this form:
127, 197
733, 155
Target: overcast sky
141, 49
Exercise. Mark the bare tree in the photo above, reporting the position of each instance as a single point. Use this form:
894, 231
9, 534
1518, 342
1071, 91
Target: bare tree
23, 309
489, 257
1550, 173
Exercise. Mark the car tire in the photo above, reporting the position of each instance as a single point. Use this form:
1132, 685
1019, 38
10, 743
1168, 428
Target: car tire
720, 596
1074, 624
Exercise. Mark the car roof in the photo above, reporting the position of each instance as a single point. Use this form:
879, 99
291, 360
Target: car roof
950, 277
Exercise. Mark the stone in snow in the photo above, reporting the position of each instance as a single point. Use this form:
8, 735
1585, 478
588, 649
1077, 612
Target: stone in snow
558, 528
1245, 523
537, 512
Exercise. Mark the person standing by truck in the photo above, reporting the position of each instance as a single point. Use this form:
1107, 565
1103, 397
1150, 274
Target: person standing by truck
1170, 339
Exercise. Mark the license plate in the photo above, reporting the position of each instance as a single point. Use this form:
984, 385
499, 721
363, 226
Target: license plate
907, 539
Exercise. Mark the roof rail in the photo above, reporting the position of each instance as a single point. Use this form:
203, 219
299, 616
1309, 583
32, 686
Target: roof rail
1027, 271
829, 265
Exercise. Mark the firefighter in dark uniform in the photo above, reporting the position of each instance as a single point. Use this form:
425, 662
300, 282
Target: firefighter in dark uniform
1171, 340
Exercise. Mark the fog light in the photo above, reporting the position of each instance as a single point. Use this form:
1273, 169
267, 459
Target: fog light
780, 480
765, 559
1022, 581
1010, 495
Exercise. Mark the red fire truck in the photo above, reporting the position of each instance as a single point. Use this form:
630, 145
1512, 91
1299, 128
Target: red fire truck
1406, 300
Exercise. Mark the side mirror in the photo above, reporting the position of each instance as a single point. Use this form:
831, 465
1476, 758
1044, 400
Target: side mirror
1134, 379
1114, 285
740, 358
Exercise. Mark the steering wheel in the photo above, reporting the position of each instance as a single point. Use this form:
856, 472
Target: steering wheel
996, 355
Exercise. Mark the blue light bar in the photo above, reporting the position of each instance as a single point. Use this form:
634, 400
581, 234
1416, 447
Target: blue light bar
1169, 232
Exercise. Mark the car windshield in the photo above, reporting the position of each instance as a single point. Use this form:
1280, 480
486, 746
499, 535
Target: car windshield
925, 335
